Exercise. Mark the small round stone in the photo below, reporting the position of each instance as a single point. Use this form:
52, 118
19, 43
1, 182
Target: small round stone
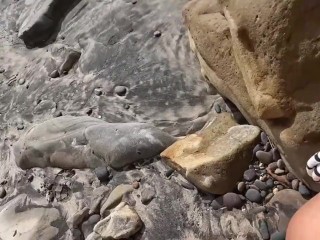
55, 74
232, 200
261, 185
270, 183
280, 187
20, 126
268, 197
3, 192
263, 229
257, 148
120, 90
263, 178
21, 81
263, 194
278, 236
304, 191
217, 203
157, 34
2, 70
280, 164
264, 157
135, 185
264, 138
217, 108
253, 195
291, 177
275, 191
102, 174
273, 166
279, 171
241, 187
249, 175
98, 91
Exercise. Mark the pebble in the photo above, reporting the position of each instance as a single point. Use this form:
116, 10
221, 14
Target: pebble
291, 177
275, 154
217, 203
280, 187
261, 185
2, 70
263, 194
279, 171
273, 166
267, 147
147, 194
98, 91
157, 34
264, 138
135, 185
264, 157
241, 187
257, 148
275, 190
169, 172
263, 229
55, 74
3, 192
21, 81
232, 200
217, 108
295, 184
253, 195
278, 236
57, 114
268, 197
304, 191
120, 90
249, 175
102, 174
280, 164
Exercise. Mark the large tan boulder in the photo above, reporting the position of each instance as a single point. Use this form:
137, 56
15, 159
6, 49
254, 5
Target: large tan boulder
215, 158
264, 56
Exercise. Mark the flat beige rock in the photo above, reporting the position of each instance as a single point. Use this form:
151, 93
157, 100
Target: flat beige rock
214, 159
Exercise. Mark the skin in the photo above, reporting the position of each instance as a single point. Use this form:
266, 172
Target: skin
305, 223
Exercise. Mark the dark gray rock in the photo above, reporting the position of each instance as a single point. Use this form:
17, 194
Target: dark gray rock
41, 25
275, 154
257, 148
232, 200
264, 157
261, 185
263, 229
273, 166
264, 138
102, 174
55, 74
263, 194
253, 195
3, 192
269, 197
121, 90
98, 91
304, 191
157, 34
267, 147
280, 164
278, 236
280, 187
291, 177
217, 203
71, 59
249, 175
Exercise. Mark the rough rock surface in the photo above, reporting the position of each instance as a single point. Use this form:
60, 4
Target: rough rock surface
123, 222
215, 158
260, 56
85, 142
